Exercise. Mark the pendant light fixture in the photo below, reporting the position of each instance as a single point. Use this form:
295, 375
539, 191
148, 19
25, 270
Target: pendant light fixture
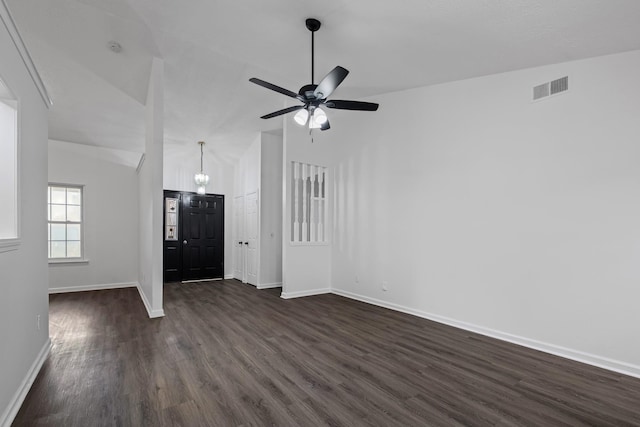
201, 179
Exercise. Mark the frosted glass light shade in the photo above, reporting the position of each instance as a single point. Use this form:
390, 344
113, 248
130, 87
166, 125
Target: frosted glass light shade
301, 117
201, 189
201, 179
319, 116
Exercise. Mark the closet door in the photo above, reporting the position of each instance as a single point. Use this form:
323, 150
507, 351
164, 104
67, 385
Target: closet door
238, 239
251, 233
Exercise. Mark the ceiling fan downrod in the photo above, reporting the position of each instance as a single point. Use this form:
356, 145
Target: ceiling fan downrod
313, 25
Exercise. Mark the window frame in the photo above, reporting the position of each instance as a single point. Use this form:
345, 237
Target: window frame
67, 260
12, 243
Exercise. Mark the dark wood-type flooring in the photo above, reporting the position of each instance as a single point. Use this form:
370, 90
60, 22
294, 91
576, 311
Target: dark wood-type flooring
228, 354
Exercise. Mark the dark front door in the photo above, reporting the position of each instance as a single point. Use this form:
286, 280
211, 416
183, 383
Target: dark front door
202, 236
194, 236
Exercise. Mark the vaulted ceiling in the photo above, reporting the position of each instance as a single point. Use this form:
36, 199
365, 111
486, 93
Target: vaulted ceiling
211, 48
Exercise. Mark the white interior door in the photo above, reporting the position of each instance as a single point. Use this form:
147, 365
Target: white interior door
251, 235
238, 239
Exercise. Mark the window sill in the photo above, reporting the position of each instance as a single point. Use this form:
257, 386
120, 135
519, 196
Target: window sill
63, 261
7, 245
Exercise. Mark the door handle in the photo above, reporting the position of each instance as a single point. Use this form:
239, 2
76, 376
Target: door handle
184, 242
246, 243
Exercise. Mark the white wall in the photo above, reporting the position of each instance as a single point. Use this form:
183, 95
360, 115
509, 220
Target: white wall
514, 217
306, 269
270, 210
110, 216
23, 268
150, 197
181, 164
247, 170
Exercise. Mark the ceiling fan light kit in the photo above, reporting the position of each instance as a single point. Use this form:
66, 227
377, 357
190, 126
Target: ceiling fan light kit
313, 96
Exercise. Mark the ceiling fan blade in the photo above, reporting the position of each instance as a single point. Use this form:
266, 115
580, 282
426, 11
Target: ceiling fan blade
325, 126
351, 105
283, 111
274, 87
330, 82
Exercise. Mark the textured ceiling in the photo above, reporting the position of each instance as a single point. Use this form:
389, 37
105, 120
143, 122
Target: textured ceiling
212, 47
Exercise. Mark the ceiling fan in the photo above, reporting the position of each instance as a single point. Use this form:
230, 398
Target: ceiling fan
313, 96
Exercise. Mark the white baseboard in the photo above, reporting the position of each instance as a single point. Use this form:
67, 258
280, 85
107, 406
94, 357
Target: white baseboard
567, 353
290, 295
228, 276
16, 402
202, 280
91, 287
152, 313
269, 285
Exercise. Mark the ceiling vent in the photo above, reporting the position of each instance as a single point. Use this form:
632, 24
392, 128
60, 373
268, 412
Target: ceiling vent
551, 88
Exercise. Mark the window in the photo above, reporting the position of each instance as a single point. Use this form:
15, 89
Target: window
8, 167
309, 203
64, 206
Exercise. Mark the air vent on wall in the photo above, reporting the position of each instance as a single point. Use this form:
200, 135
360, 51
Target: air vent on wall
541, 91
551, 88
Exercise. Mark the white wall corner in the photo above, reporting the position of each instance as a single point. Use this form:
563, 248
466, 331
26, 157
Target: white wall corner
150, 189
16, 402
157, 77
140, 163
151, 312
567, 353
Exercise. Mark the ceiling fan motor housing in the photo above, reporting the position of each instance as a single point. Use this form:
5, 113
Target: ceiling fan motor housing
307, 92
313, 24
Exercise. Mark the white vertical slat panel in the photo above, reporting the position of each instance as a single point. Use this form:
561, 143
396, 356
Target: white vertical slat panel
305, 195
326, 199
296, 201
313, 205
321, 204
318, 204
310, 209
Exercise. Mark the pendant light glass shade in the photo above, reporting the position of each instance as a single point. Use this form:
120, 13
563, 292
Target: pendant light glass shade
201, 179
301, 117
